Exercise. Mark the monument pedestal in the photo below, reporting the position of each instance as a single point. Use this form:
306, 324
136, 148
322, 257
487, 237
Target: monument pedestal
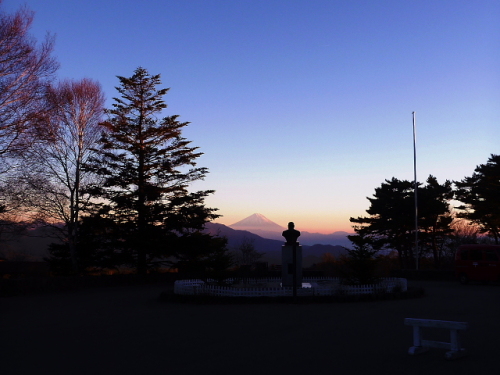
287, 265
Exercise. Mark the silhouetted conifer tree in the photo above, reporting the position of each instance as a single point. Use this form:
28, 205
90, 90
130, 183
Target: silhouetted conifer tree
360, 262
147, 167
391, 220
434, 217
480, 195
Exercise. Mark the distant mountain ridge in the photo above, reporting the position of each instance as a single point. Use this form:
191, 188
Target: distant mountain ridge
271, 247
33, 245
260, 225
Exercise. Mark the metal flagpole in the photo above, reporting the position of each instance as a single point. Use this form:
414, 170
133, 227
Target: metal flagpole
415, 189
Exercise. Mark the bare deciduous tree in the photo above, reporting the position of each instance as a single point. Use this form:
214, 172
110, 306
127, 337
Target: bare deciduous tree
465, 232
66, 136
25, 69
246, 253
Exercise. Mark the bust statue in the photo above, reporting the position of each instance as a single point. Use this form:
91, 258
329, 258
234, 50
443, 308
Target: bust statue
291, 235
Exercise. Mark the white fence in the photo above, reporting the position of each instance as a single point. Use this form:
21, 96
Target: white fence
270, 287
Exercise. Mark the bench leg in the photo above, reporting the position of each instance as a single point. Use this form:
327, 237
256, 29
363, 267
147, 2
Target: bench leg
454, 340
417, 347
456, 350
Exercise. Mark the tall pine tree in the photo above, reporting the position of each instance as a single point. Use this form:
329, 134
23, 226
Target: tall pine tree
480, 195
147, 167
391, 220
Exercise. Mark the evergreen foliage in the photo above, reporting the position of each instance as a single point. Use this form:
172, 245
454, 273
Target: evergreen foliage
391, 224
147, 167
360, 262
96, 248
391, 221
434, 217
200, 255
480, 195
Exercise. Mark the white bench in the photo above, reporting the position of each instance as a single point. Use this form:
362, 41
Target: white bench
421, 346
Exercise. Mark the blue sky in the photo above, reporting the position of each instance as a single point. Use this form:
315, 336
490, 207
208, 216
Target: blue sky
302, 108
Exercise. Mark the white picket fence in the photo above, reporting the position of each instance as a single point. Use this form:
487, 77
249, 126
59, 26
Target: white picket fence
321, 286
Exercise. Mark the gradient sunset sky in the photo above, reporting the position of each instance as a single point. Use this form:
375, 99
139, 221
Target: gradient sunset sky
302, 108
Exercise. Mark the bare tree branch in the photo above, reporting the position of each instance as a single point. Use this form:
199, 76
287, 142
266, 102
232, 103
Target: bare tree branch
66, 136
25, 70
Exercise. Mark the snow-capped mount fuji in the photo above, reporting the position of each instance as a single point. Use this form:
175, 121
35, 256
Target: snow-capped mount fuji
263, 227
257, 222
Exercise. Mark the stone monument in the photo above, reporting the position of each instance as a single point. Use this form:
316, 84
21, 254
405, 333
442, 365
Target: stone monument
291, 258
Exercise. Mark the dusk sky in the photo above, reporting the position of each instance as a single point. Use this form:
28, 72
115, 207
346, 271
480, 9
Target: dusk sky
302, 108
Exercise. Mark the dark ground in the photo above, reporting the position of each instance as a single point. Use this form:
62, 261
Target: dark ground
129, 330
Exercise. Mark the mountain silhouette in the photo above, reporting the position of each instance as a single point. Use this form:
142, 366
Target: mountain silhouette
33, 245
271, 247
260, 225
